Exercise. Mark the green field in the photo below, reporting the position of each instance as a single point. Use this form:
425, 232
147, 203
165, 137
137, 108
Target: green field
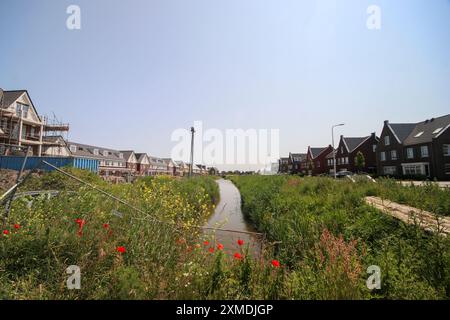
321, 239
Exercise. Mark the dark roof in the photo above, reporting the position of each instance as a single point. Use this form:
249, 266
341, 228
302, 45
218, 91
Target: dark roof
11, 96
127, 154
84, 150
353, 142
331, 154
302, 156
402, 130
425, 131
316, 151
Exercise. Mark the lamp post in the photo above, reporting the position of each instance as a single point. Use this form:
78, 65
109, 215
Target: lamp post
334, 151
191, 168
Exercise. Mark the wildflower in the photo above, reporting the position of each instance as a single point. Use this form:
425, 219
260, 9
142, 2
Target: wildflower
17, 226
275, 263
220, 246
197, 245
5, 232
240, 242
237, 256
206, 243
106, 225
121, 249
211, 250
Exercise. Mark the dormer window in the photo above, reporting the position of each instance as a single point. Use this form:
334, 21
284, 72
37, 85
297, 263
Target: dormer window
96, 152
419, 134
73, 148
437, 130
105, 153
121, 155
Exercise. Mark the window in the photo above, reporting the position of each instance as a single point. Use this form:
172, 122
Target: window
96, 152
387, 140
342, 149
414, 169
447, 168
419, 134
73, 148
424, 151
394, 155
105, 153
437, 130
374, 147
383, 156
446, 149
318, 164
121, 155
389, 170
18, 109
346, 160
409, 153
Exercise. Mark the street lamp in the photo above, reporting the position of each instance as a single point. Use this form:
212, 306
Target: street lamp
334, 151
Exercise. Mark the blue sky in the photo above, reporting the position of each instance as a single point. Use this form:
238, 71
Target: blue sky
138, 70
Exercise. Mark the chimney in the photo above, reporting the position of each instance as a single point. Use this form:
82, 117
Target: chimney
432, 119
342, 136
1, 97
373, 135
386, 122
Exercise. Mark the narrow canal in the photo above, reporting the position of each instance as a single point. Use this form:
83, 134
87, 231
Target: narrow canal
230, 221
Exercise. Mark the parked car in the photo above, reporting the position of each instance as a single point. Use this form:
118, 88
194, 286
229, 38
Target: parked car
343, 174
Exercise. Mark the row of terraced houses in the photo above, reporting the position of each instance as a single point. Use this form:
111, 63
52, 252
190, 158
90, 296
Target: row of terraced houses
404, 150
21, 126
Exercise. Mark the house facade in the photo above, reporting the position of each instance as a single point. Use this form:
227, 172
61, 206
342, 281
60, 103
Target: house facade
112, 163
20, 123
348, 149
283, 165
415, 149
316, 160
295, 161
130, 160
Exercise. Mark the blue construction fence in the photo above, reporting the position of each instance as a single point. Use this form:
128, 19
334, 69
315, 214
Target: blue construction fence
15, 163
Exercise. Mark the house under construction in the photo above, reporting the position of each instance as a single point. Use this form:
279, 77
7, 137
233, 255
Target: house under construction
21, 126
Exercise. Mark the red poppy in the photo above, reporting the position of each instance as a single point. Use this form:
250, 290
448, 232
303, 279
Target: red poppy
106, 225
220, 246
121, 249
275, 263
80, 222
237, 256
211, 250
5, 232
80, 232
17, 226
240, 242
206, 243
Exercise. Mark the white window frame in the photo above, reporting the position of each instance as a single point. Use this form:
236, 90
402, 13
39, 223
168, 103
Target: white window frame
387, 140
424, 154
394, 155
409, 153
73, 148
446, 150
383, 156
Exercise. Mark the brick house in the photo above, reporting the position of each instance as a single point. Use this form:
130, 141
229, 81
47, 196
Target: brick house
131, 160
349, 147
316, 160
294, 162
415, 149
283, 165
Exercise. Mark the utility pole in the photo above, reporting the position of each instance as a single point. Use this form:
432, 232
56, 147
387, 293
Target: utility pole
191, 168
334, 151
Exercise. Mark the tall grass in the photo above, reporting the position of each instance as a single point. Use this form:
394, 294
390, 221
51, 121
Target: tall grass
295, 212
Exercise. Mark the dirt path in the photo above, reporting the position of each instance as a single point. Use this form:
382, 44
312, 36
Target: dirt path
424, 219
